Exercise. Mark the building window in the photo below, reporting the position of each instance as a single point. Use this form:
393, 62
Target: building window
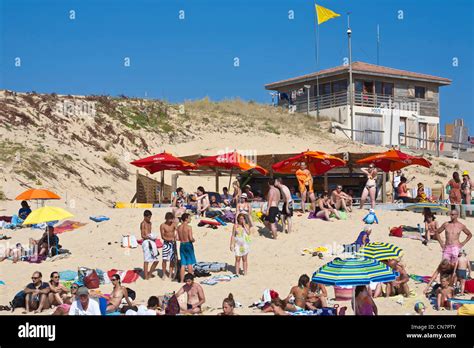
420, 92
339, 86
388, 89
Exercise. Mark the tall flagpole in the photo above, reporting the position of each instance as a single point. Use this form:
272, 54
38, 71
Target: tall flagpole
351, 94
317, 60
378, 43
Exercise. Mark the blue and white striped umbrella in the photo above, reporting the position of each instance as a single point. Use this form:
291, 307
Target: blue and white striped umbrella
353, 272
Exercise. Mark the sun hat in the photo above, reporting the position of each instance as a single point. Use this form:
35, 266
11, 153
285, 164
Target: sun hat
243, 195
465, 173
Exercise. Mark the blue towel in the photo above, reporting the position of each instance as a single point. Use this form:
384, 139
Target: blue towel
460, 301
68, 275
103, 306
2, 282
99, 218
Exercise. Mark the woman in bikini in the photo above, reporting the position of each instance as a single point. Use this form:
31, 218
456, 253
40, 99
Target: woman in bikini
119, 292
300, 295
370, 186
466, 187
324, 208
455, 196
237, 193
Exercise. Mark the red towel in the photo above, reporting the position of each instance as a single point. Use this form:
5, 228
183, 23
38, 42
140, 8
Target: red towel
68, 225
129, 276
159, 243
6, 218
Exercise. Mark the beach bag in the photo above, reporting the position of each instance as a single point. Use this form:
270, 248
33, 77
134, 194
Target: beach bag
173, 306
91, 280
129, 241
369, 219
396, 232
229, 216
19, 301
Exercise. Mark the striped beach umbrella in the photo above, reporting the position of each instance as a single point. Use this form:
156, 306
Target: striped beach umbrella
353, 272
380, 251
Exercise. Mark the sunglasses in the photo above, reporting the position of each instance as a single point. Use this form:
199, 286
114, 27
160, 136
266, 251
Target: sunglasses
74, 287
33, 278
114, 279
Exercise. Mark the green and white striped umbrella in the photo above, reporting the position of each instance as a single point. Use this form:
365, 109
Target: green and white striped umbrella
352, 272
380, 251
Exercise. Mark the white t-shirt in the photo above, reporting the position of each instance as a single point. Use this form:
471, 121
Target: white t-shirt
142, 310
396, 180
92, 309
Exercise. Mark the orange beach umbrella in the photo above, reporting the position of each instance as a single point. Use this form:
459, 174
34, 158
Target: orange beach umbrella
317, 162
393, 160
231, 160
36, 194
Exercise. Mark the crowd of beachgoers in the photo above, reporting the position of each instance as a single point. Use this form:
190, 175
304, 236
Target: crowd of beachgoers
276, 214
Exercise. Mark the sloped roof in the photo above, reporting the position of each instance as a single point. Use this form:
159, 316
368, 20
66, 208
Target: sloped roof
361, 67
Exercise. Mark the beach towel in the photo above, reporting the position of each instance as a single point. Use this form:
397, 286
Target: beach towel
420, 279
219, 278
67, 226
6, 218
2, 282
310, 251
129, 276
466, 309
159, 243
461, 301
469, 286
99, 218
210, 266
68, 275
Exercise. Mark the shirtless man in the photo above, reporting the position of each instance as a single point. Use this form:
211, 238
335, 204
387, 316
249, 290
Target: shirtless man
168, 234
400, 285
444, 292
305, 185
195, 295
186, 248
452, 245
150, 252
287, 211
118, 293
273, 199
341, 200
299, 293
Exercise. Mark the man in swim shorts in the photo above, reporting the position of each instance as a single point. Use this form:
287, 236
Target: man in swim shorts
168, 234
305, 185
195, 295
452, 245
272, 213
186, 248
150, 251
36, 294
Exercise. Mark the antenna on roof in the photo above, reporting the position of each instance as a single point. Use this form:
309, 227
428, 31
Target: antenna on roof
378, 43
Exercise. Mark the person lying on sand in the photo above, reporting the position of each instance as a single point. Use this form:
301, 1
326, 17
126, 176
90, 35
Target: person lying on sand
278, 306
195, 295
119, 292
13, 253
36, 294
299, 295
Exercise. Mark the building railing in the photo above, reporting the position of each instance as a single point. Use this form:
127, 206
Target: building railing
332, 100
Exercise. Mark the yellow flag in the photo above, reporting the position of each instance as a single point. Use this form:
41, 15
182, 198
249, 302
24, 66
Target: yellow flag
325, 14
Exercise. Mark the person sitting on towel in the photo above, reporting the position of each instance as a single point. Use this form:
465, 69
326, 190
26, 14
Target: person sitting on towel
195, 295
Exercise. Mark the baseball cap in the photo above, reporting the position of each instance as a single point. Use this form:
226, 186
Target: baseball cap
82, 291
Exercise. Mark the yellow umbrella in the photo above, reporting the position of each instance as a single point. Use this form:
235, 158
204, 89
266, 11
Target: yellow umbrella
46, 214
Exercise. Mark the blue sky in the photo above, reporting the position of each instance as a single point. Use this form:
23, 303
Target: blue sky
178, 59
